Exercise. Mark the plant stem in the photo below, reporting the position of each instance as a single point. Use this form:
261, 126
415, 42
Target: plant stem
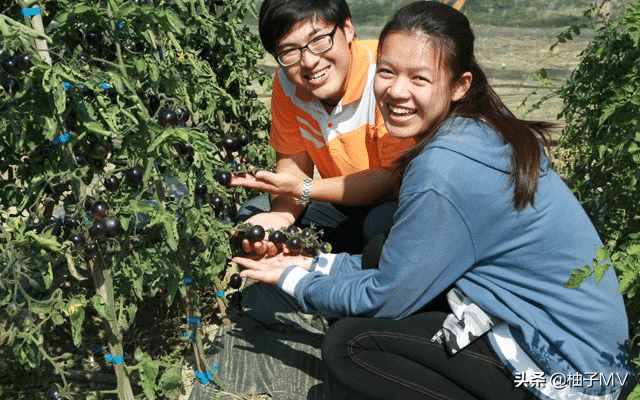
36, 23
104, 288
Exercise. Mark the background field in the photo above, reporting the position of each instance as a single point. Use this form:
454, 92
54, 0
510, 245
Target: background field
513, 42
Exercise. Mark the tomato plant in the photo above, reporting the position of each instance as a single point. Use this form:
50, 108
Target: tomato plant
120, 124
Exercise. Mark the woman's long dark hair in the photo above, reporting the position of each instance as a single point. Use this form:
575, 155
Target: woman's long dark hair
449, 31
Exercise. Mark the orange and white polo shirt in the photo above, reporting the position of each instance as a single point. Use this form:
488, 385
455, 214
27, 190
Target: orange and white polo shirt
349, 139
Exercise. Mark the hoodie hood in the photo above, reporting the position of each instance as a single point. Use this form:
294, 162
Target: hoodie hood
478, 141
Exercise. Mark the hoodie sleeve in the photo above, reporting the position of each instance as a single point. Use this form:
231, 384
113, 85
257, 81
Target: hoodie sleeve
428, 249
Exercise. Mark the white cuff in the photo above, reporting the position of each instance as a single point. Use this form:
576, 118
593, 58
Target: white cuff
324, 263
291, 280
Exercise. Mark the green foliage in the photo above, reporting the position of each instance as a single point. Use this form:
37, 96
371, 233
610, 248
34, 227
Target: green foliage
94, 114
600, 149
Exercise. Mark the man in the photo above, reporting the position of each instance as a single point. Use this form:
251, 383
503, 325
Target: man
323, 115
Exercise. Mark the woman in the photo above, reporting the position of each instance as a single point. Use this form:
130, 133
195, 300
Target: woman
480, 209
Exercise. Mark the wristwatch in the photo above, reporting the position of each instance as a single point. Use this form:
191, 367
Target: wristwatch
305, 197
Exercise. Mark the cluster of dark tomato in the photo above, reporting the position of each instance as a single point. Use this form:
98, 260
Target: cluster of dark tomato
14, 65
306, 241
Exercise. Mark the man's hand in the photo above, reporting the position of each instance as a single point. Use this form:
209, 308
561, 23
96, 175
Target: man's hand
269, 270
269, 220
282, 183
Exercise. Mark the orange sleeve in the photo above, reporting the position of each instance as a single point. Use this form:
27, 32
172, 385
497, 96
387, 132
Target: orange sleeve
390, 148
284, 136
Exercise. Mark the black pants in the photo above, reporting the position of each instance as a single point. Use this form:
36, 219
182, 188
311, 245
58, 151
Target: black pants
395, 359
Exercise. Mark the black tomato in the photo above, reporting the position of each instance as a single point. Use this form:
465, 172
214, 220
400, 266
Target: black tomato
183, 149
217, 203
140, 46
99, 209
235, 281
52, 394
98, 229
235, 299
135, 176
326, 247
183, 115
293, 229
294, 244
23, 62
229, 212
111, 183
201, 190
255, 233
10, 65
153, 102
167, 117
93, 38
307, 233
11, 86
277, 237
231, 144
77, 240
224, 178
244, 139
91, 250
112, 227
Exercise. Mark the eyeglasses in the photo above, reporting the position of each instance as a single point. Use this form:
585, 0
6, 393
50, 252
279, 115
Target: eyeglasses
320, 44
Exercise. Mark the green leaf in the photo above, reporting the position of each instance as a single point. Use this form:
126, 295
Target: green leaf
76, 311
175, 22
95, 127
602, 254
101, 307
71, 266
47, 277
634, 250
600, 270
578, 276
627, 279
171, 382
46, 241
149, 370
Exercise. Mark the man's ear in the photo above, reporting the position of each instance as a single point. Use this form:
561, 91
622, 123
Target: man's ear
462, 85
349, 30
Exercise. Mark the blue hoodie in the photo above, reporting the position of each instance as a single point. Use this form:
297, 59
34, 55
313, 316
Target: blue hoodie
456, 224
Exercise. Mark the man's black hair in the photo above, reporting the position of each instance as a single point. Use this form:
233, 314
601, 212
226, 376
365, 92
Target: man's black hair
277, 17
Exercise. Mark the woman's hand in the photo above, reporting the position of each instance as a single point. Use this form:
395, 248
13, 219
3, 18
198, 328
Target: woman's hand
269, 270
275, 183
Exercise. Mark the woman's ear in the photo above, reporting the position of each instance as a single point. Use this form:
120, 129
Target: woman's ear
461, 87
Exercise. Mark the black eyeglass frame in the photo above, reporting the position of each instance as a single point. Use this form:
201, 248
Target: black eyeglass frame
330, 35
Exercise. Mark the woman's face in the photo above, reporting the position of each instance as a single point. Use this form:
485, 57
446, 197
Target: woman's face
412, 88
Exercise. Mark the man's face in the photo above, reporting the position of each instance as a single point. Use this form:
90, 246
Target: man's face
321, 75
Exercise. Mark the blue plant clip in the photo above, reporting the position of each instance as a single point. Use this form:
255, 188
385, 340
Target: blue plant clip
67, 86
120, 24
62, 138
115, 360
31, 11
187, 280
105, 86
205, 377
189, 335
220, 293
194, 321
